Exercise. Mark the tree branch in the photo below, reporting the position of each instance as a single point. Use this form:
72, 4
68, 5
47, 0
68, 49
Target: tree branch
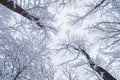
17, 75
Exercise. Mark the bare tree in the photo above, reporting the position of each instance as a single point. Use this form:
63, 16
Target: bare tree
107, 27
69, 72
73, 45
24, 59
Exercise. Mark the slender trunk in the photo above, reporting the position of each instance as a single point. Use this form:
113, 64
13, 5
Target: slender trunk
14, 7
18, 73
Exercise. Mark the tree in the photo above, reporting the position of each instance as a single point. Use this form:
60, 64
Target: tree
25, 58
24, 53
107, 24
75, 44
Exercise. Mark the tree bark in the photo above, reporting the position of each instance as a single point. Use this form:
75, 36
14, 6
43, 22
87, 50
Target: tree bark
14, 7
102, 72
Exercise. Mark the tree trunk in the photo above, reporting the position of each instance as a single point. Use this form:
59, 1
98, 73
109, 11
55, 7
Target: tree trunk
103, 73
14, 7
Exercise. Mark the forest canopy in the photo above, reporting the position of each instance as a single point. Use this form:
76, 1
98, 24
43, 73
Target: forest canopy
59, 40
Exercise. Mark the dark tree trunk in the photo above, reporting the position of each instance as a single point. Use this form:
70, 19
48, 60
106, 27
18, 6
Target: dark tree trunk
14, 7
102, 72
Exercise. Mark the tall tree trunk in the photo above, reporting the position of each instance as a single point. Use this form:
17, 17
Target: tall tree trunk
102, 72
14, 7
